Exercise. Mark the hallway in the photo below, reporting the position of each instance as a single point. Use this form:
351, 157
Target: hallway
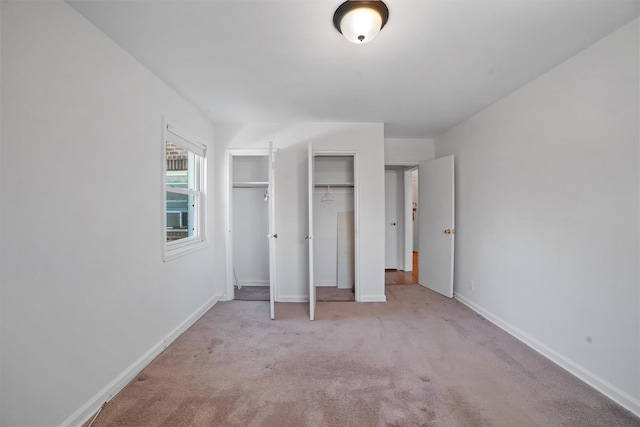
400, 277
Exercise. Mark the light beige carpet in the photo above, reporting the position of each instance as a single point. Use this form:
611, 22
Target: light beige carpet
418, 360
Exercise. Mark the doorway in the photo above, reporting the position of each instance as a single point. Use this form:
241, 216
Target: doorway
250, 223
435, 216
334, 228
402, 223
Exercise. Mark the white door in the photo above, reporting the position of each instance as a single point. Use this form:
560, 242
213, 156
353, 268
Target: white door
391, 218
309, 236
273, 236
408, 220
437, 228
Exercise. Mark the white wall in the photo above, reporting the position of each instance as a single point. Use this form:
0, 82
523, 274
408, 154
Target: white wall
547, 214
325, 221
85, 295
250, 243
408, 150
366, 139
248, 169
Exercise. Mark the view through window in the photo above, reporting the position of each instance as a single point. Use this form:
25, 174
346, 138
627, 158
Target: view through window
184, 171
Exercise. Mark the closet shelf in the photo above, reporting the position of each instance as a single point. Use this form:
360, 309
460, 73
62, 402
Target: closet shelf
255, 184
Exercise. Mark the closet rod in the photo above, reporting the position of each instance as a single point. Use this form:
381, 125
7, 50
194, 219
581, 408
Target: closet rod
334, 185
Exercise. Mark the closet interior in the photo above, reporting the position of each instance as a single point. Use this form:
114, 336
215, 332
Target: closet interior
334, 234
250, 224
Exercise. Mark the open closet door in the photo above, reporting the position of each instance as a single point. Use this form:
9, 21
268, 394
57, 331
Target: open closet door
273, 236
309, 236
437, 228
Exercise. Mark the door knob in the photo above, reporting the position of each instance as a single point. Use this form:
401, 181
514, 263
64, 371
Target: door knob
450, 231
393, 223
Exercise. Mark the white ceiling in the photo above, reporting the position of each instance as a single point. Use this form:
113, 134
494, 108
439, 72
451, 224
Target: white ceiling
436, 62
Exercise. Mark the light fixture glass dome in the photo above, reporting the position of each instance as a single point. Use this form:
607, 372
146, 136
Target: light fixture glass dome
361, 25
360, 21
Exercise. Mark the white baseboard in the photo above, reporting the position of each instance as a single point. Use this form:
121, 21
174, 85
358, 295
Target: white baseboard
373, 298
87, 410
293, 298
305, 298
254, 283
622, 398
326, 283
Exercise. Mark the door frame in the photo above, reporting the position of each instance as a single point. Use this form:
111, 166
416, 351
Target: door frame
318, 152
228, 220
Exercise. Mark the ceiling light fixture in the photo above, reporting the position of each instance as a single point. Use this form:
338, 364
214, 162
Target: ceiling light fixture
360, 21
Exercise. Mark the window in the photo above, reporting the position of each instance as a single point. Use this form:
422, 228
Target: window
184, 177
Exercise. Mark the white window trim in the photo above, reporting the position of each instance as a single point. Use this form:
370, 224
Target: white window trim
171, 250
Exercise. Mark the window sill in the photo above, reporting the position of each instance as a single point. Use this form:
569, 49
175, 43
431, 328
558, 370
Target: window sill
176, 252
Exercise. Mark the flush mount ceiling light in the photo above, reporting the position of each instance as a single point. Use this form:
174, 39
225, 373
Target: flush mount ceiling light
360, 21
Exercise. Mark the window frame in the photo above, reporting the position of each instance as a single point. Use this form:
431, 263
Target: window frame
175, 135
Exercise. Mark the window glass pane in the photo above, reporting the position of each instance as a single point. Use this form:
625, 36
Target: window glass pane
184, 163
181, 211
177, 179
181, 167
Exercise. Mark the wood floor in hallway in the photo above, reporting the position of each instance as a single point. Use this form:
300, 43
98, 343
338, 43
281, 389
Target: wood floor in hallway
400, 277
